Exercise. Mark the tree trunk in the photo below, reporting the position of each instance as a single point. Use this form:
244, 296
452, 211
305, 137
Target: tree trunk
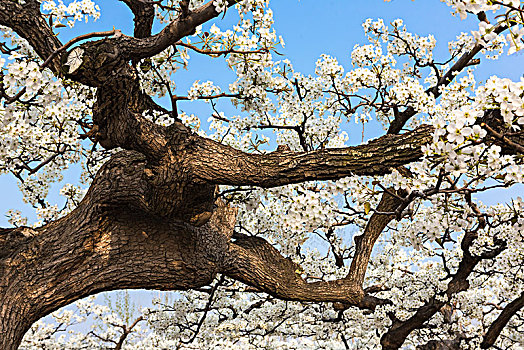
99, 247
150, 219
142, 226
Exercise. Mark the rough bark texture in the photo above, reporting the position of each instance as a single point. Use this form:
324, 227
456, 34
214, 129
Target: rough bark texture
150, 218
29, 24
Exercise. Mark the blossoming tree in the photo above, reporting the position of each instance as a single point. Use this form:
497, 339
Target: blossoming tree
411, 257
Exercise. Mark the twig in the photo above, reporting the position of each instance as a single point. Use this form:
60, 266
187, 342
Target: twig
503, 138
10, 100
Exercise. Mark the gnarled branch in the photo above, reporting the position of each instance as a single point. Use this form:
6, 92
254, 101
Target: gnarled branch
257, 263
377, 157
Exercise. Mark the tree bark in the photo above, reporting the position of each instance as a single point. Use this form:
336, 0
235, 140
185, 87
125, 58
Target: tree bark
150, 218
106, 243
134, 229
502, 320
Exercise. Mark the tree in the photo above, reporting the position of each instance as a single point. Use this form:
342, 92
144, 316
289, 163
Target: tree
171, 207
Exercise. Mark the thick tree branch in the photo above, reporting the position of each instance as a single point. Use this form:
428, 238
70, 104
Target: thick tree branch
95, 248
257, 263
144, 12
379, 156
136, 48
27, 21
117, 115
498, 325
364, 244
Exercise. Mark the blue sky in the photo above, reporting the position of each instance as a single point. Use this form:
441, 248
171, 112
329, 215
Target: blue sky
309, 28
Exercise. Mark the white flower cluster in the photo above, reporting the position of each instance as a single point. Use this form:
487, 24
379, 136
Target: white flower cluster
76, 10
462, 7
220, 5
417, 252
506, 95
204, 89
15, 218
486, 33
38, 131
457, 139
23, 73
463, 43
